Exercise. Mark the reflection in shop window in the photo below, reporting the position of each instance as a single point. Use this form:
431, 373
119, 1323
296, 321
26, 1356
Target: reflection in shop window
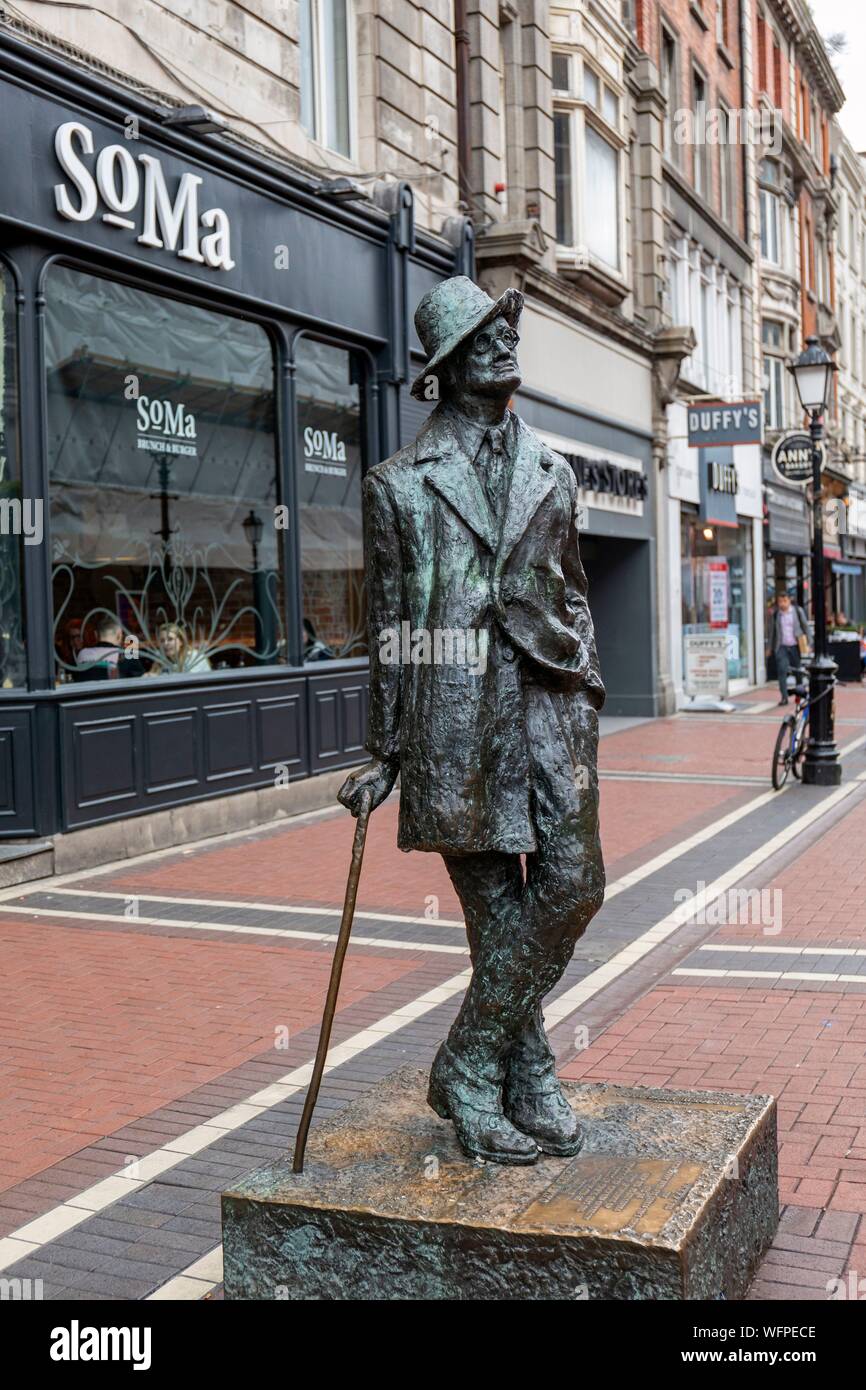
163, 485
15, 511
329, 462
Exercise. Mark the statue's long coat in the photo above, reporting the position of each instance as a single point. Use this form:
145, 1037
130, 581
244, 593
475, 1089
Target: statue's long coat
436, 558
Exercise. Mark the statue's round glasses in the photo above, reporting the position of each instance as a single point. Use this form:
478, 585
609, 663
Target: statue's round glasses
485, 340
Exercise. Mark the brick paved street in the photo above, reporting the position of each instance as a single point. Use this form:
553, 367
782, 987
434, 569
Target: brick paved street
160, 1015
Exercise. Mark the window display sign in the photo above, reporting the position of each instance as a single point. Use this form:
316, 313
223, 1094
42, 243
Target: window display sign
705, 664
717, 583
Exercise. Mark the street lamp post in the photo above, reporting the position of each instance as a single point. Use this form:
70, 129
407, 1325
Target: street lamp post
813, 373
253, 530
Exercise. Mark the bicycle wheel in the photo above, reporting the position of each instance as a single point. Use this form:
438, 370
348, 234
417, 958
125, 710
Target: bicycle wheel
798, 742
781, 756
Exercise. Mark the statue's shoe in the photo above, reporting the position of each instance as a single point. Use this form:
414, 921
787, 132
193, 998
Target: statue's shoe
475, 1110
546, 1117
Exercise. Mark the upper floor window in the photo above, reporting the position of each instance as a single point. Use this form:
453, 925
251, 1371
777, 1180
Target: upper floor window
727, 166
699, 148
670, 87
588, 168
327, 72
775, 214
561, 63
774, 341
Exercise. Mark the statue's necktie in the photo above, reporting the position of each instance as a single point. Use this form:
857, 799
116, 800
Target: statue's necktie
494, 462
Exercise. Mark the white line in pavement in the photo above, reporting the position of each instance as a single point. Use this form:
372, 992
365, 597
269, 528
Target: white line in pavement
182, 851
560, 1009
773, 975
301, 909
668, 856
788, 950
294, 933
29, 1238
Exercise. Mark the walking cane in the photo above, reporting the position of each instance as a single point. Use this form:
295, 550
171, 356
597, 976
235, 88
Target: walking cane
334, 984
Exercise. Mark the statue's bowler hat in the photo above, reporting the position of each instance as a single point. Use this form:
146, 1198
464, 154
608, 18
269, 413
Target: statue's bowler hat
450, 313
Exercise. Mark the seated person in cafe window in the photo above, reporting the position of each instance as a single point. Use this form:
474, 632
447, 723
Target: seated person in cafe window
112, 656
176, 654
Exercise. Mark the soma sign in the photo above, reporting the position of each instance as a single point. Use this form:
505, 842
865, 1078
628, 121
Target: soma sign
119, 185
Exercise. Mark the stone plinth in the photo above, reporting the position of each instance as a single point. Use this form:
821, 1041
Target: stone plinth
673, 1196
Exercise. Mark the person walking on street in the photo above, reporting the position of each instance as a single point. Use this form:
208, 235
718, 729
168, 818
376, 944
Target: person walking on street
789, 639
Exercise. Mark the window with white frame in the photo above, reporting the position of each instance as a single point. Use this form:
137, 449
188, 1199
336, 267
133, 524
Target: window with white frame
327, 61
774, 344
703, 294
588, 165
775, 215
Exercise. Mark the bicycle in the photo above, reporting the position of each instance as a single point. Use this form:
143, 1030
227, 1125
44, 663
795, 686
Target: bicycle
790, 747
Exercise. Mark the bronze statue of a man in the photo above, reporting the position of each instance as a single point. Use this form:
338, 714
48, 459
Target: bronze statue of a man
471, 541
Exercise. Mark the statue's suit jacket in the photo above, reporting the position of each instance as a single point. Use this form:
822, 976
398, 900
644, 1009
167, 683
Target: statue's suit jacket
470, 744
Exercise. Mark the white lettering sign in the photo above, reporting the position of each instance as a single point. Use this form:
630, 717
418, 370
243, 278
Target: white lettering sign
119, 185
324, 452
164, 427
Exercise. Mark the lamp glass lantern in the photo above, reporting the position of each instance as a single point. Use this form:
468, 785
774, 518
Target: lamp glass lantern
813, 371
253, 528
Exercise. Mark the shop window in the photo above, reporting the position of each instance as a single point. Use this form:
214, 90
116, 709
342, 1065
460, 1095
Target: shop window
717, 587
165, 514
21, 520
329, 455
327, 63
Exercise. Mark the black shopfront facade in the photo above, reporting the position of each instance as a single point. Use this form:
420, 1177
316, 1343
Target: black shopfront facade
201, 355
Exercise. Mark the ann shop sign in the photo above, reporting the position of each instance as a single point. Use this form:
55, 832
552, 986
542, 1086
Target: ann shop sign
129, 190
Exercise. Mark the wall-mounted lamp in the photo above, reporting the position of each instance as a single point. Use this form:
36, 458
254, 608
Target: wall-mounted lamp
196, 119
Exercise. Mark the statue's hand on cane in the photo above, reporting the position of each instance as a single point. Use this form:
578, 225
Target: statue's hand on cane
376, 777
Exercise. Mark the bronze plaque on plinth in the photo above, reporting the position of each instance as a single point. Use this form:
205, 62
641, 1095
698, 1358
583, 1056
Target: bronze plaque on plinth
674, 1196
